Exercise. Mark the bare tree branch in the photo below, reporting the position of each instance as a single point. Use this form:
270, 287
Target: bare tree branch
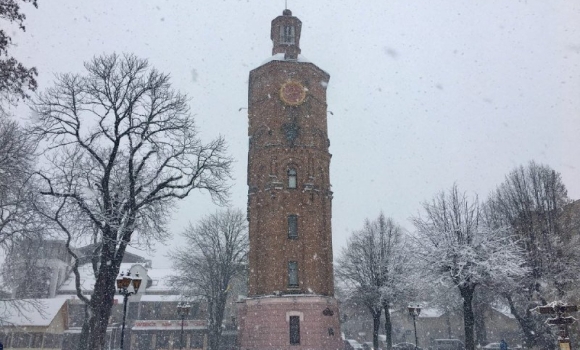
374, 269
531, 202
122, 148
216, 253
456, 247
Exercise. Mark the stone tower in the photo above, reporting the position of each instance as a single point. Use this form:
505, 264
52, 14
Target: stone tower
290, 302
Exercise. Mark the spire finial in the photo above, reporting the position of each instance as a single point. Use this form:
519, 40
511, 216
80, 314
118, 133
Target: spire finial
286, 3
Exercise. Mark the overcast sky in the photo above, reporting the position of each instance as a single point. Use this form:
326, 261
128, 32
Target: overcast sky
424, 93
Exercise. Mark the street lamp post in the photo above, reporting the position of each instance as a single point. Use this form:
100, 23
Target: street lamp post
182, 311
414, 311
123, 283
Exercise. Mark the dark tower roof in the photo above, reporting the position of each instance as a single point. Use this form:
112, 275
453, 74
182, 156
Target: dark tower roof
285, 35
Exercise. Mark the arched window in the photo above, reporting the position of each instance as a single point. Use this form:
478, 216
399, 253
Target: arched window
291, 178
294, 330
287, 35
292, 226
292, 274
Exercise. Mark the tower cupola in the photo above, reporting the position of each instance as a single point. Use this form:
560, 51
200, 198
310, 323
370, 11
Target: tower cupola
285, 35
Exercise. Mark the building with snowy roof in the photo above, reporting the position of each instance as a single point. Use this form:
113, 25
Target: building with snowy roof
33, 323
55, 322
152, 318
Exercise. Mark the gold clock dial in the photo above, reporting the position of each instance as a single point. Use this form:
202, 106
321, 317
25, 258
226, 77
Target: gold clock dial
292, 93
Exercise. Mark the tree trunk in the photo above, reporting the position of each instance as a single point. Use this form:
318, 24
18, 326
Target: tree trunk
83, 342
104, 293
468, 317
533, 336
388, 326
101, 304
376, 312
216, 317
480, 330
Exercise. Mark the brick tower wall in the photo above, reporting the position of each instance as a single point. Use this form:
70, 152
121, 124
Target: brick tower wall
287, 131
283, 137
265, 323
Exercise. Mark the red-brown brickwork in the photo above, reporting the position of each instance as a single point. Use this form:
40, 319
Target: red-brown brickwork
274, 150
267, 323
289, 204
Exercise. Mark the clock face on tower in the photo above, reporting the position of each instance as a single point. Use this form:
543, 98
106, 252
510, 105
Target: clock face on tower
292, 93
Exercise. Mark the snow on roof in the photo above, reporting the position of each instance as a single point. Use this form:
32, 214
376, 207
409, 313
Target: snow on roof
117, 299
158, 277
504, 310
87, 278
160, 280
280, 57
161, 298
26, 314
431, 313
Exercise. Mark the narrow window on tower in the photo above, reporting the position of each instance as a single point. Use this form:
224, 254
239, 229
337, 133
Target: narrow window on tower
291, 178
292, 274
294, 330
292, 226
287, 35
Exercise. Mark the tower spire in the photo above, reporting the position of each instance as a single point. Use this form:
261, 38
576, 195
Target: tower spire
285, 34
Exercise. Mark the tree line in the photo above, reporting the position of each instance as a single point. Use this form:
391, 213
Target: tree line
515, 248
103, 162
110, 152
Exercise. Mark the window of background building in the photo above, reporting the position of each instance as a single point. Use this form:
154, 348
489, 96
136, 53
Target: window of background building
6, 337
36, 340
162, 340
292, 226
21, 340
52, 341
143, 341
196, 340
287, 35
70, 341
177, 341
294, 330
292, 178
292, 274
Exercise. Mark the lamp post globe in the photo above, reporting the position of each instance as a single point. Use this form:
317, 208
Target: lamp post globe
123, 284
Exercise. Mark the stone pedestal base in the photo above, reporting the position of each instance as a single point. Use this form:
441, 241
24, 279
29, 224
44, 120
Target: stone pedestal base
264, 323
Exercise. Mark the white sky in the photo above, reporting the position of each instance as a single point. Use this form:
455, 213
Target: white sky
424, 93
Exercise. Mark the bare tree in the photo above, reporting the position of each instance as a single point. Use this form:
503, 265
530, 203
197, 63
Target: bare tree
122, 147
531, 201
214, 254
374, 269
16, 193
15, 79
24, 264
456, 247
18, 220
